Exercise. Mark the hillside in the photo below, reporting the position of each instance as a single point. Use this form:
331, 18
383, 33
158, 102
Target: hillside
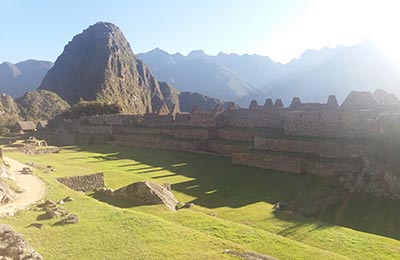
40, 105
8, 110
99, 64
16, 79
189, 99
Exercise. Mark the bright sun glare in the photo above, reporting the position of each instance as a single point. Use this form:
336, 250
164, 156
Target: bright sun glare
342, 22
384, 28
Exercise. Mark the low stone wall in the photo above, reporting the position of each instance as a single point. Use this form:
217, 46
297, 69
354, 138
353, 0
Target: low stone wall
227, 149
187, 133
272, 161
236, 134
291, 163
156, 142
322, 148
271, 118
84, 183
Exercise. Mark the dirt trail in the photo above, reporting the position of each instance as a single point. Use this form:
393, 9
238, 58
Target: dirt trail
34, 189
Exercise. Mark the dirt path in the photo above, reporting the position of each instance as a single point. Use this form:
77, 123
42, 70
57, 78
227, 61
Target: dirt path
34, 189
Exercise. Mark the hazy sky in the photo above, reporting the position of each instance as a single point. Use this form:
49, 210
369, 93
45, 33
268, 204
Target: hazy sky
281, 29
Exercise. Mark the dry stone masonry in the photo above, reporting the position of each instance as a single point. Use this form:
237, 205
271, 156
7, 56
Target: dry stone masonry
354, 142
84, 183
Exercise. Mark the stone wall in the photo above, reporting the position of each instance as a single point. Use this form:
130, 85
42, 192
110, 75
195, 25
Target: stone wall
332, 123
187, 133
236, 134
271, 161
270, 118
227, 149
338, 148
84, 183
292, 163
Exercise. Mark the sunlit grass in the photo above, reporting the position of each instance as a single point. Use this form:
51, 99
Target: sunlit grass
240, 197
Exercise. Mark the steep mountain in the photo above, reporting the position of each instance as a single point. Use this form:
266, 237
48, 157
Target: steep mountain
40, 105
16, 79
98, 64
8, 110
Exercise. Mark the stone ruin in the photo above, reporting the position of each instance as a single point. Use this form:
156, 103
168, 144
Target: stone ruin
345, 141
145, 193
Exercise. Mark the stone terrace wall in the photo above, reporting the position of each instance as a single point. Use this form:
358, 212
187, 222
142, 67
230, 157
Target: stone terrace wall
292, 163
84, 182
269, 118
320, 147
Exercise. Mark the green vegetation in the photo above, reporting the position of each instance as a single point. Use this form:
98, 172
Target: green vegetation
90, 108
8, 112
41, 105
233, 211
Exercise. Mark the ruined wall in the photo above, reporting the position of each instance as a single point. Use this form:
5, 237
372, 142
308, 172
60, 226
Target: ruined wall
84, 182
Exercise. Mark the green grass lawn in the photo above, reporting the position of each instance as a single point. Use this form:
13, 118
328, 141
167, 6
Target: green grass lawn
242, 198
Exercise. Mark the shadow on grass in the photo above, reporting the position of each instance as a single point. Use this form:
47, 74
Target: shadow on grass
115, 202
216, 182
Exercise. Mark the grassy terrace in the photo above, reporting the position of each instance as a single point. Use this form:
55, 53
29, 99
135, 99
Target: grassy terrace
242, 198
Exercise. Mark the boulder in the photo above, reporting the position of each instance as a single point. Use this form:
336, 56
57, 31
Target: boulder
147, 193
70, 219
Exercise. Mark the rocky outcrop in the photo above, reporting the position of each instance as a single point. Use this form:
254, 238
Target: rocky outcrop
84, 183
13, 246
171, 96
99, 64
147, 193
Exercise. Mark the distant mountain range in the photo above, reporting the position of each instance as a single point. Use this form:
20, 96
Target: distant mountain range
229, 77
312, 77
16, 79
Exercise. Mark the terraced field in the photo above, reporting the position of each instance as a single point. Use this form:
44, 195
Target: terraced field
234, 210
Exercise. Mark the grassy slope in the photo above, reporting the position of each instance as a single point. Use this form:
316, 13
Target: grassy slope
241, 196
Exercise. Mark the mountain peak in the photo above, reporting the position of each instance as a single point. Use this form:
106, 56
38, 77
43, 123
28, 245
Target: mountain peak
98, 64
197, 54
